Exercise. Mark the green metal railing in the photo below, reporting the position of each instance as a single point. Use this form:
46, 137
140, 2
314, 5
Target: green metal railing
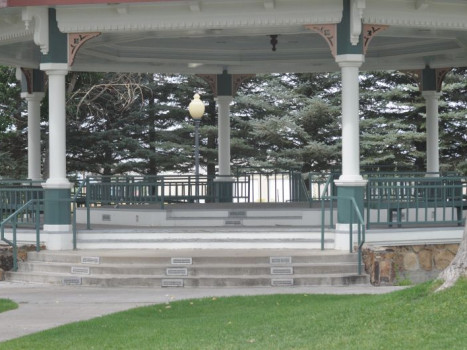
12, 197
34, 206
415, 200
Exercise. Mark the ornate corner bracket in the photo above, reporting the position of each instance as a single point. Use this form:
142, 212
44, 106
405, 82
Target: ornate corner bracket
328, 32
211, 79
75, 41
369, 32
416, 75
440, 75
238, 79
40, 17
27, 73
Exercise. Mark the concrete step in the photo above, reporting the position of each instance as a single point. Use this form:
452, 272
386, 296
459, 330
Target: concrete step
218, 269
205, 281
173, 258
284, 237
190, 268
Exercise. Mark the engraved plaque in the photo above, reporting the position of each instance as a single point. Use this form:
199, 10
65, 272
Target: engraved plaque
282, 282
72, 281
233, 222
282, 270
182, 261
172, 283
176, 271
90, 260
106, 217
237, 214
280, 260
80, 270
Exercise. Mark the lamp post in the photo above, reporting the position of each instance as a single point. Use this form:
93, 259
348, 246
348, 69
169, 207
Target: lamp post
196, 109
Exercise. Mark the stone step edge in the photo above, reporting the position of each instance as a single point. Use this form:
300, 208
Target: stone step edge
10, 276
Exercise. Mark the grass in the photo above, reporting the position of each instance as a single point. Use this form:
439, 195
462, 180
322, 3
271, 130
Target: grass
415, 318
6, 305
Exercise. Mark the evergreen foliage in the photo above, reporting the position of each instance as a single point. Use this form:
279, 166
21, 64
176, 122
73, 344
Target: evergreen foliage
119, 123
13, 126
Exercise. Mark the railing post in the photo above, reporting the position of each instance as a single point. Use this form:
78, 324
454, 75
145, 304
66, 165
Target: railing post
88, 204
15, 247
37, 204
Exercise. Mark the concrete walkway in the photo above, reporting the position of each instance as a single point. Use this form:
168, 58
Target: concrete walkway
43, 307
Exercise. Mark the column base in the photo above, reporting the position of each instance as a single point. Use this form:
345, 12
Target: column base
223, 189
342, 237
58, 237
345, 209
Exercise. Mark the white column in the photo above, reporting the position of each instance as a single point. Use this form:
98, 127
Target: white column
432, 131
349, 65
57, 125
34, 134
223, 106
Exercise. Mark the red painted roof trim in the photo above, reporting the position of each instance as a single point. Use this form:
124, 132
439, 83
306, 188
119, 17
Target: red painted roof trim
18, 3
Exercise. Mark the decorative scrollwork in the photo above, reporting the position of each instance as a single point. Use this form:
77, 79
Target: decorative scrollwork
211, 79
238, 79
369, 32
440, 75
28, 74
75, 41
328, 32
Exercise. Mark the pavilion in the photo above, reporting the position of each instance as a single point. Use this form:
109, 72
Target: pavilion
225, 42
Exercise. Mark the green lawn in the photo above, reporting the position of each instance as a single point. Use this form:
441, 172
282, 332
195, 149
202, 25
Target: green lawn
6, 304
414, 318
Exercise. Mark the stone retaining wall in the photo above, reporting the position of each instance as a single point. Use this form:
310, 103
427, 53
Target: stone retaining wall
407, 264
6, 257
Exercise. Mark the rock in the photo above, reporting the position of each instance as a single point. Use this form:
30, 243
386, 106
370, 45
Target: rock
410, 261
418, 248
442, 258
425, 259
386, 273
453, 248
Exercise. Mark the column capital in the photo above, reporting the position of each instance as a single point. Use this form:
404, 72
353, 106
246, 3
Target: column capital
55, 68
35, 96
224, 99
431, 94
350, 60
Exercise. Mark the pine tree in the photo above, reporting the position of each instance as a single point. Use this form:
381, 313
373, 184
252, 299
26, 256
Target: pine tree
13, 126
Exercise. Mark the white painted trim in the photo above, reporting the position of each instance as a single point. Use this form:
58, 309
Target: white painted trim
55, 68
350, 60
58, 237
40, 17
351, 181
212, 14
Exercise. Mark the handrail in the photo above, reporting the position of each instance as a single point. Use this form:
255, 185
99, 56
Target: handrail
361, 226
13, 218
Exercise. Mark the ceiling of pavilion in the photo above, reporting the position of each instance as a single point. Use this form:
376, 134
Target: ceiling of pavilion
208, 36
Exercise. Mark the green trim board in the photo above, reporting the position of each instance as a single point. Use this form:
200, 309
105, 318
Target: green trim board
344, 46
57, 207
344, 207
58, 42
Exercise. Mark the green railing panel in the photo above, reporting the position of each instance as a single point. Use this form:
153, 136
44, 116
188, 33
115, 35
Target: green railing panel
416, 200
31, 206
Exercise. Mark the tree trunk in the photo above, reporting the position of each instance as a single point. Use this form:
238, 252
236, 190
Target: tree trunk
458, 266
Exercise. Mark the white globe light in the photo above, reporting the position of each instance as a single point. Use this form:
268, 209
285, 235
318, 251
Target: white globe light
196, 107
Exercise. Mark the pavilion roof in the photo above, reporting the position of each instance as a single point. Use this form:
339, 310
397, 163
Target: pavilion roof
209, 36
